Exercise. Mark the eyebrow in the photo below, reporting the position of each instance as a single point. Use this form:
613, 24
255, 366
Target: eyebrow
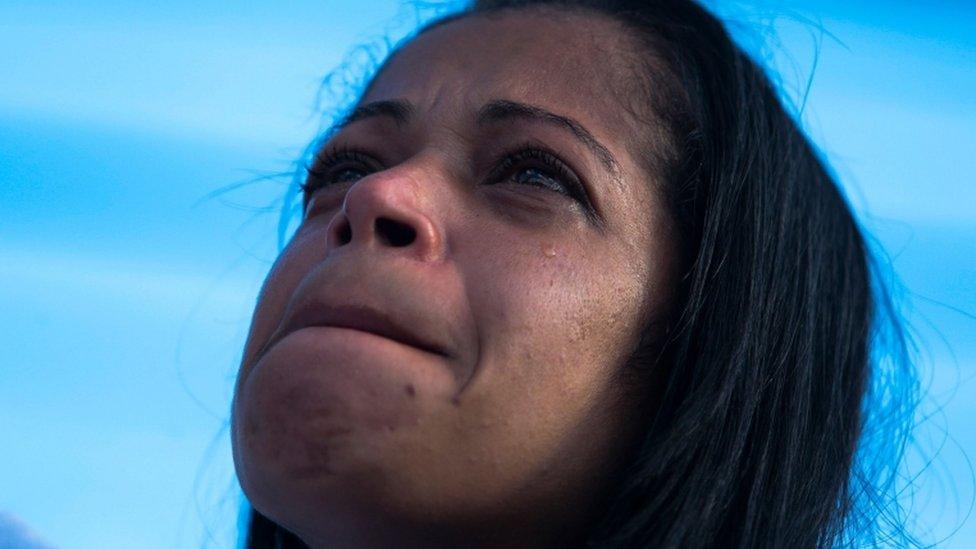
400, 111
500, 109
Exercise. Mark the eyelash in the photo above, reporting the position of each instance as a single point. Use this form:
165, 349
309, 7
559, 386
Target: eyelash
522, 157
318, 173
512, 162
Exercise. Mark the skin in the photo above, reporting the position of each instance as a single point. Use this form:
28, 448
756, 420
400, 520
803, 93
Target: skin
350, 439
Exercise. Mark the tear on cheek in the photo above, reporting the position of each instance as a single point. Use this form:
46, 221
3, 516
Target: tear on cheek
548, 250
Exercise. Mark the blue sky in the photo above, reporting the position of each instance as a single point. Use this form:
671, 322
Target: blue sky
125, 293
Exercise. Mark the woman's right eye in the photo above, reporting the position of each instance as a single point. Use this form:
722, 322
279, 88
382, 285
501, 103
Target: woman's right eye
337, 167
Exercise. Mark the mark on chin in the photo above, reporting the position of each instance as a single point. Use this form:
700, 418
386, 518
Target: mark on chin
315, 455
308, 472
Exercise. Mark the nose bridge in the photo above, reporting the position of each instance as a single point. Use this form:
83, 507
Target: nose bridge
393, 211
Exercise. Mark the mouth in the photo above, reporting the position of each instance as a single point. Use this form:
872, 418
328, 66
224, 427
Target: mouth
364, 319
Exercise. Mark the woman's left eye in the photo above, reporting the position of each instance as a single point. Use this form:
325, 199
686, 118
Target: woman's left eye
540, 168
539, 178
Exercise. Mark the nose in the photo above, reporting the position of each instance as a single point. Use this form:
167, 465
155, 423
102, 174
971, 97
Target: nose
389, 211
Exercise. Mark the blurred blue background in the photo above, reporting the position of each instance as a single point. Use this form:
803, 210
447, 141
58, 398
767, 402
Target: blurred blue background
126, 288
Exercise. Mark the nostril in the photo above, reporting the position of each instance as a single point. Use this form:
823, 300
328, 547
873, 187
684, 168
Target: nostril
394, 233
345, 234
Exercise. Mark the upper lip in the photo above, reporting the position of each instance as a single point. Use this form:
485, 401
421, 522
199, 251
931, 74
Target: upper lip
358, 317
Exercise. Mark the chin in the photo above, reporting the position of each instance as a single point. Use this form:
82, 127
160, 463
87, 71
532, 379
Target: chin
335, 428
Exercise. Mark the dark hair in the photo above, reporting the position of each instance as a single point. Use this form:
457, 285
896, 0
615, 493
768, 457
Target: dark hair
781, 414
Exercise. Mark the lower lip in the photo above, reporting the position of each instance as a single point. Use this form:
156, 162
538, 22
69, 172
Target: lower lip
358, 338
338, 360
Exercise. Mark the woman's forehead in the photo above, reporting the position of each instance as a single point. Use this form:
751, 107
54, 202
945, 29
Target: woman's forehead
567, 63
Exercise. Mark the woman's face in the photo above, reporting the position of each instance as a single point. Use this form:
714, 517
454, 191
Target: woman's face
437, 354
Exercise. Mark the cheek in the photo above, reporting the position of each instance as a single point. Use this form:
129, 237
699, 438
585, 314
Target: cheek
557, 317
555, 322
296, 260
545, 301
